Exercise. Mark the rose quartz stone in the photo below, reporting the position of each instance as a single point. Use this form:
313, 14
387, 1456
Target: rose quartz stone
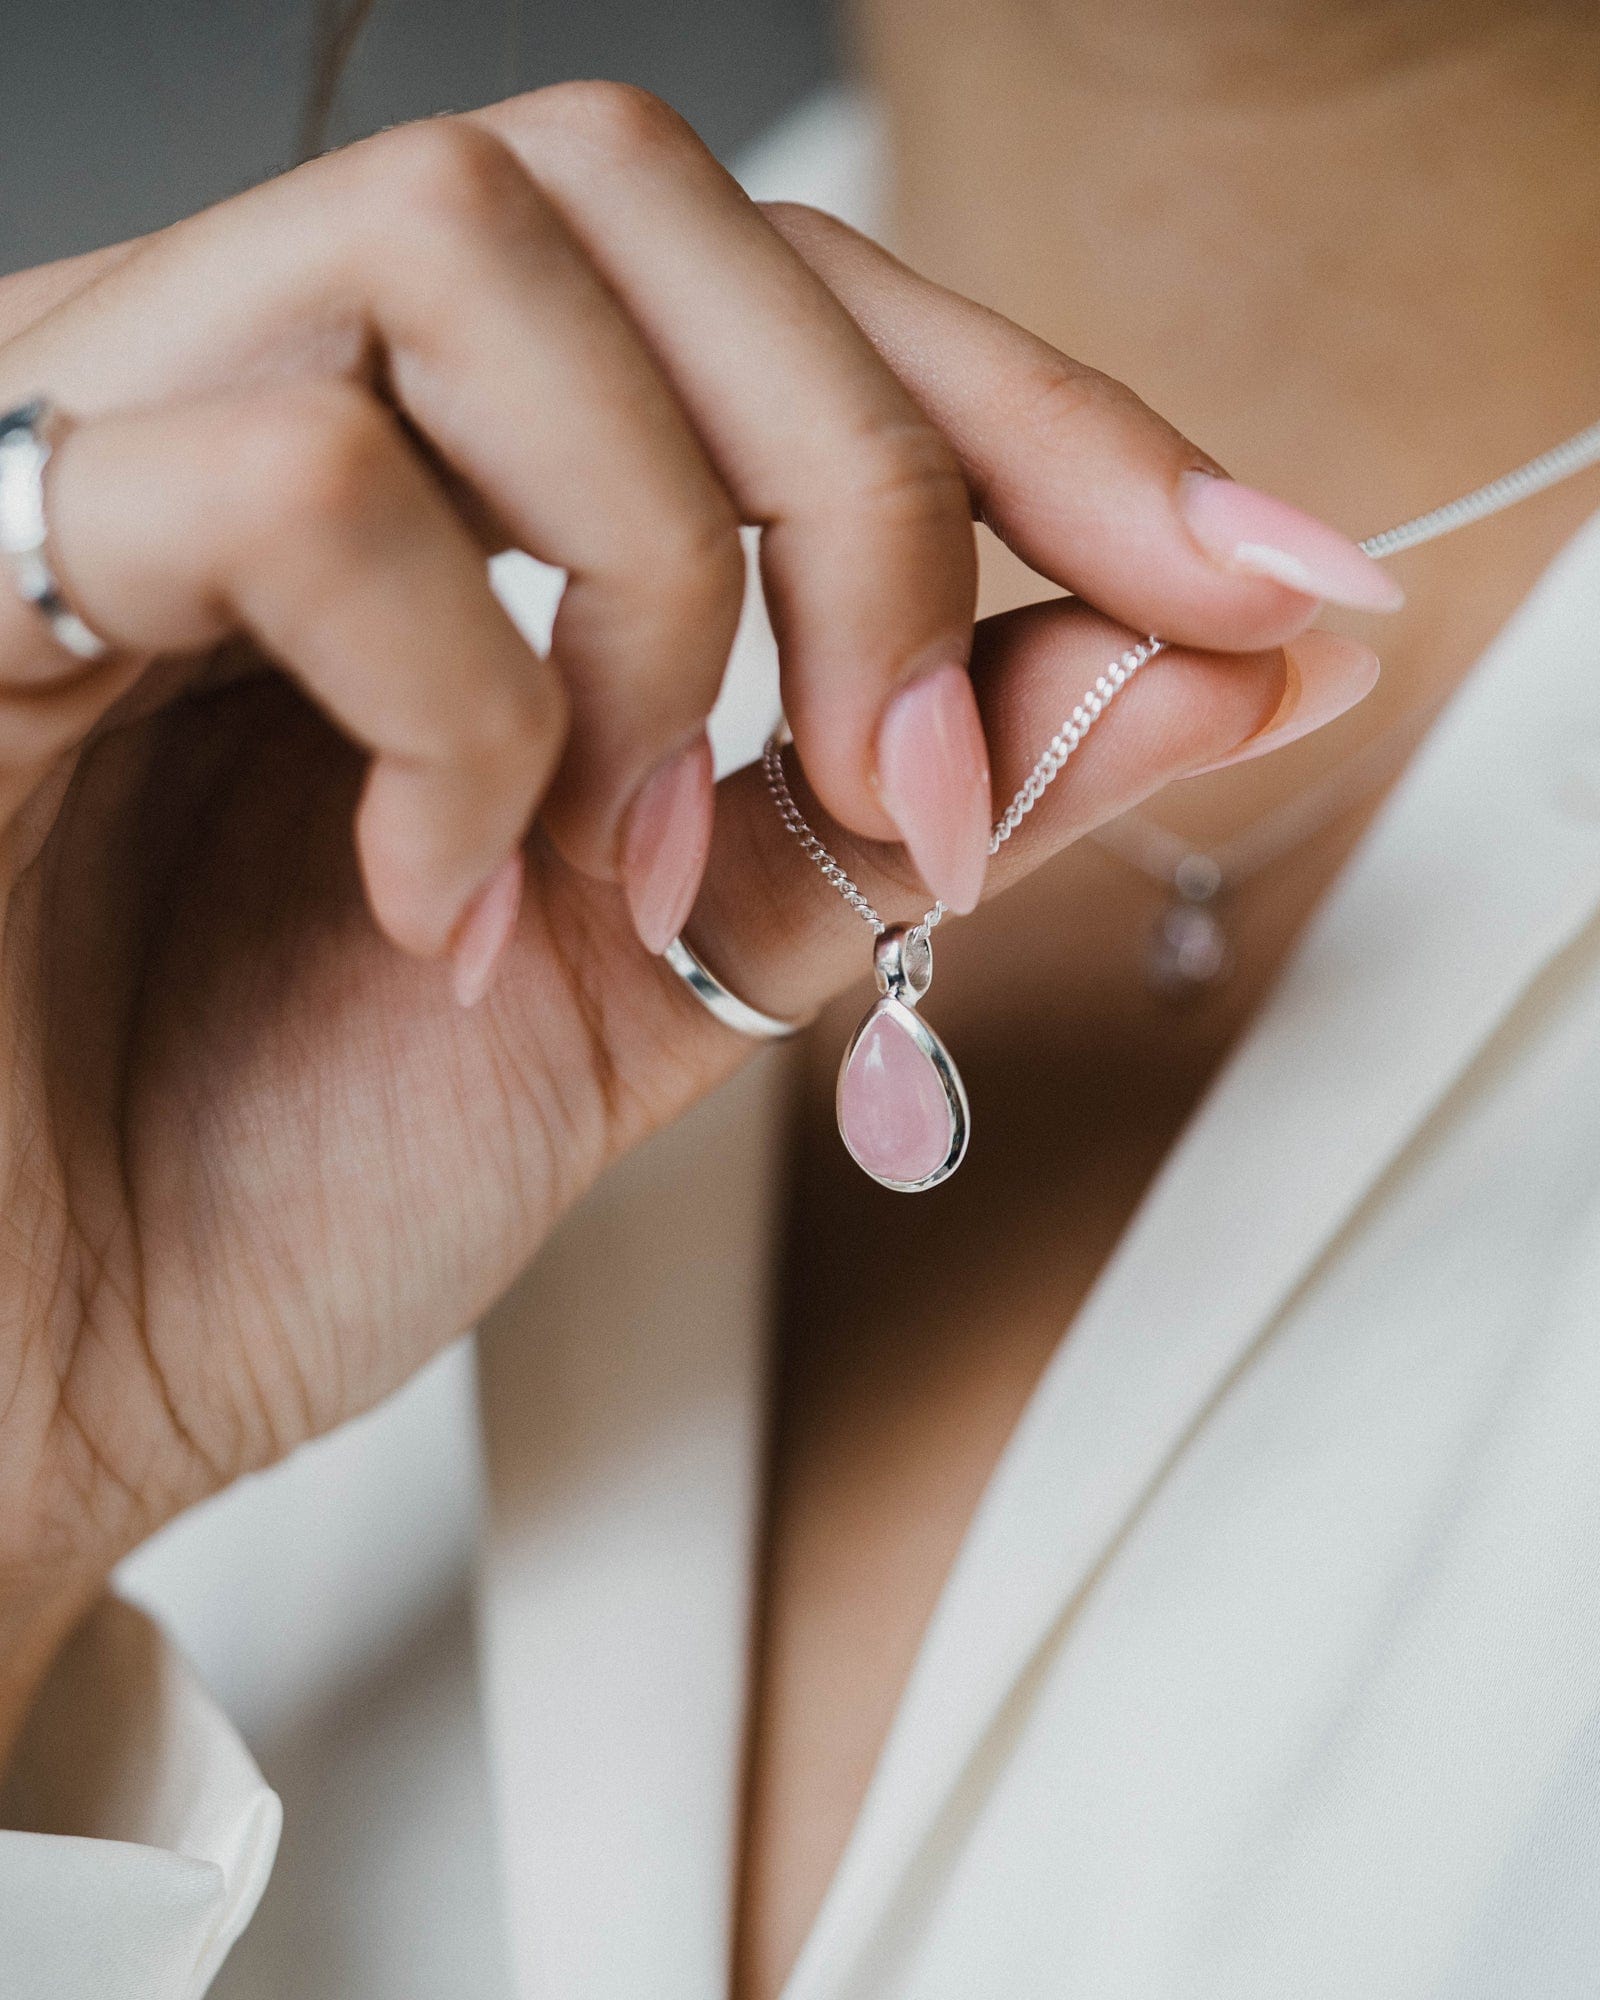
893, 1112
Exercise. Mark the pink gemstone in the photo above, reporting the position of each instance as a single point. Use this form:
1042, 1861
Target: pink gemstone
893, 1112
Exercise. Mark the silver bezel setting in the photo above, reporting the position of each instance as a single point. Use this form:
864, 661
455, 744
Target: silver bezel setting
950, 1081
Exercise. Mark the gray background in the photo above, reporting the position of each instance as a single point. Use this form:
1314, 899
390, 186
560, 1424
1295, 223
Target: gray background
120, 115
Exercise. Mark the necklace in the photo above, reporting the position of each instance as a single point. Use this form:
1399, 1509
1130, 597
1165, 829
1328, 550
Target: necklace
901, 1105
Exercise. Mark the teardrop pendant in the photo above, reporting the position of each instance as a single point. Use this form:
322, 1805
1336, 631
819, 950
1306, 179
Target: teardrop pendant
901, 1105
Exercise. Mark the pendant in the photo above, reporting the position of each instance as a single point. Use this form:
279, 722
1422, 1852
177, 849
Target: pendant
901, 1106
1189, 953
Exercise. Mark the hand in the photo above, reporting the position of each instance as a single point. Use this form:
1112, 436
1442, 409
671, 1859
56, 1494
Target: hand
259, 1164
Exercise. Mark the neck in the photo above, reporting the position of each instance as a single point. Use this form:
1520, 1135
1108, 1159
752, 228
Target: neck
1348, 249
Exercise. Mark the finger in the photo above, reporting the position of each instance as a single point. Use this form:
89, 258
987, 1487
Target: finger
867, 548
1088, 485
26, 296
538, 397
301, 516
783, 938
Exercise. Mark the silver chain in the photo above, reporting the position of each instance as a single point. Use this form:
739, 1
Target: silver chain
1033, 788
1573, 455
797, 823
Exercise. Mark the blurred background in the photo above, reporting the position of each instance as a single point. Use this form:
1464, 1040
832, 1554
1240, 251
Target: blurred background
176, 103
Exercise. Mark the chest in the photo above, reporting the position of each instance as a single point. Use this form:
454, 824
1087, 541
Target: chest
1329, 1701
913, 1332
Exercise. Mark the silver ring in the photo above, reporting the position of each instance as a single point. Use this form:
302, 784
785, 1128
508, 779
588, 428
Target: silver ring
722, 1005
28, 435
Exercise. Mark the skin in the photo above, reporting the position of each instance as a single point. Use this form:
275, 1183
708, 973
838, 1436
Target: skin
258, 1163
1133, 182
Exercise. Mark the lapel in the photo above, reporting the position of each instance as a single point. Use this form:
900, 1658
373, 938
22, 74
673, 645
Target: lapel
622, 1411
1482, 866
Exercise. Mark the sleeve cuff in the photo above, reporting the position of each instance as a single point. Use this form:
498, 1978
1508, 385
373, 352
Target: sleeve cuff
138, 1833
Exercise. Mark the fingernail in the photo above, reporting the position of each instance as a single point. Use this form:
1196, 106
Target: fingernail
1327, 675
484, 930
665, 847
1254, 534
933, 778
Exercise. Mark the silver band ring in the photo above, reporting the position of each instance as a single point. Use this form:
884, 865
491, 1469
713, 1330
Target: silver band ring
28, 435
722, 1005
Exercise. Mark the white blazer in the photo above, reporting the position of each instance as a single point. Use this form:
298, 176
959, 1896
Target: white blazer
1270, 1665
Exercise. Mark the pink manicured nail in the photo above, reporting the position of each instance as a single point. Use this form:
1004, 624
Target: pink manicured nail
1256, 535
933, 778
1327, 675
668, 838
484, 930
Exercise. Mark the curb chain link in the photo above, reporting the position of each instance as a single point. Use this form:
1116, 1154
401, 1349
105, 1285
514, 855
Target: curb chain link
1046, 770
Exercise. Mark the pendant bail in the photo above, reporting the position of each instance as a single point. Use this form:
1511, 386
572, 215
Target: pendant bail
902, 962
1198, 878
